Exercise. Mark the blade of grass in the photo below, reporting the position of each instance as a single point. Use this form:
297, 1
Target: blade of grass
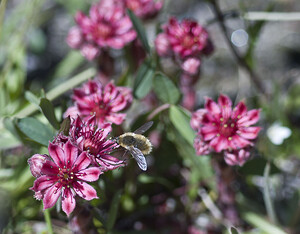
59, 90
2, 12
267, 198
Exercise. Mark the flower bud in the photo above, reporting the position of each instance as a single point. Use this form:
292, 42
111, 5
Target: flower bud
74, 38
191, 66
36, 163
162, 45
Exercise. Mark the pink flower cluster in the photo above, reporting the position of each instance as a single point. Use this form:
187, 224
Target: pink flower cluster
108, 25
102, 101
85, 152
223, 130
73, 160
144, 9
185, 42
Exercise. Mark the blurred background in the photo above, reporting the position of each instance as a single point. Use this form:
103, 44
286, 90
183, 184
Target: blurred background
180, 192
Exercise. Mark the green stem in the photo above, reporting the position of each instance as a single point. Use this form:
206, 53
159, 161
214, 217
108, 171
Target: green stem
48, 221
267, 198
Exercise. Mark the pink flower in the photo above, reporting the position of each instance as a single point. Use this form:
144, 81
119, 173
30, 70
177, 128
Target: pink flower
219, 128
191, 66
107, 26
89, 51
65, 176
185, 42
162, 45
187, 38
102, 101
237, 157
75, 38
144, 9
94, 141
36, 163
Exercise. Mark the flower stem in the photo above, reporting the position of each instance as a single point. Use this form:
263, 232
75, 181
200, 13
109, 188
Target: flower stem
253, 76
158, 110
48, 221
267, 198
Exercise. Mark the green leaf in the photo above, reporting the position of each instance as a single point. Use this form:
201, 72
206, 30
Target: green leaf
138, 26
267, 197
113, 211
48, 110
262, 224
8, 141
165, 89
233, 230
143, 80
32, 98
181, 121
71, 62
65, 126
35, 130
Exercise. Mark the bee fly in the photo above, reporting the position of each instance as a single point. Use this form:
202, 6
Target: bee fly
137, 144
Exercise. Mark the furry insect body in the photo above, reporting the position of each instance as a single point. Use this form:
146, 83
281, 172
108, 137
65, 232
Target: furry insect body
139, 141
137, 144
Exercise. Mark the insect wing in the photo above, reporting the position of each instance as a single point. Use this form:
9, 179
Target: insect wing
139, 158
144, 128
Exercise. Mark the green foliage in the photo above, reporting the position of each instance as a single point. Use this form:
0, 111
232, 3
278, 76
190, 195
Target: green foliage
165, 89
35, 130
137, 24
143, 80
181, 121
48, 110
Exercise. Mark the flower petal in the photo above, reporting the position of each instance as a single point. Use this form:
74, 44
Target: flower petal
249, 133
57, 154
81, 162
51, 196
116, 118
49, 168
219, 143
68, 201
43, 182
71, 153
201, 147
208, 132
89, 174
238, 142
212, 107
196, 120
225, 105
85, 190
250, 118
239, 111
236, 157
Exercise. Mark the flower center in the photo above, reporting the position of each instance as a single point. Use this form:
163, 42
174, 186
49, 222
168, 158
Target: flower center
133, 4
103, 30
101, 110
188, 41
228, 128
90, 146
65, 176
